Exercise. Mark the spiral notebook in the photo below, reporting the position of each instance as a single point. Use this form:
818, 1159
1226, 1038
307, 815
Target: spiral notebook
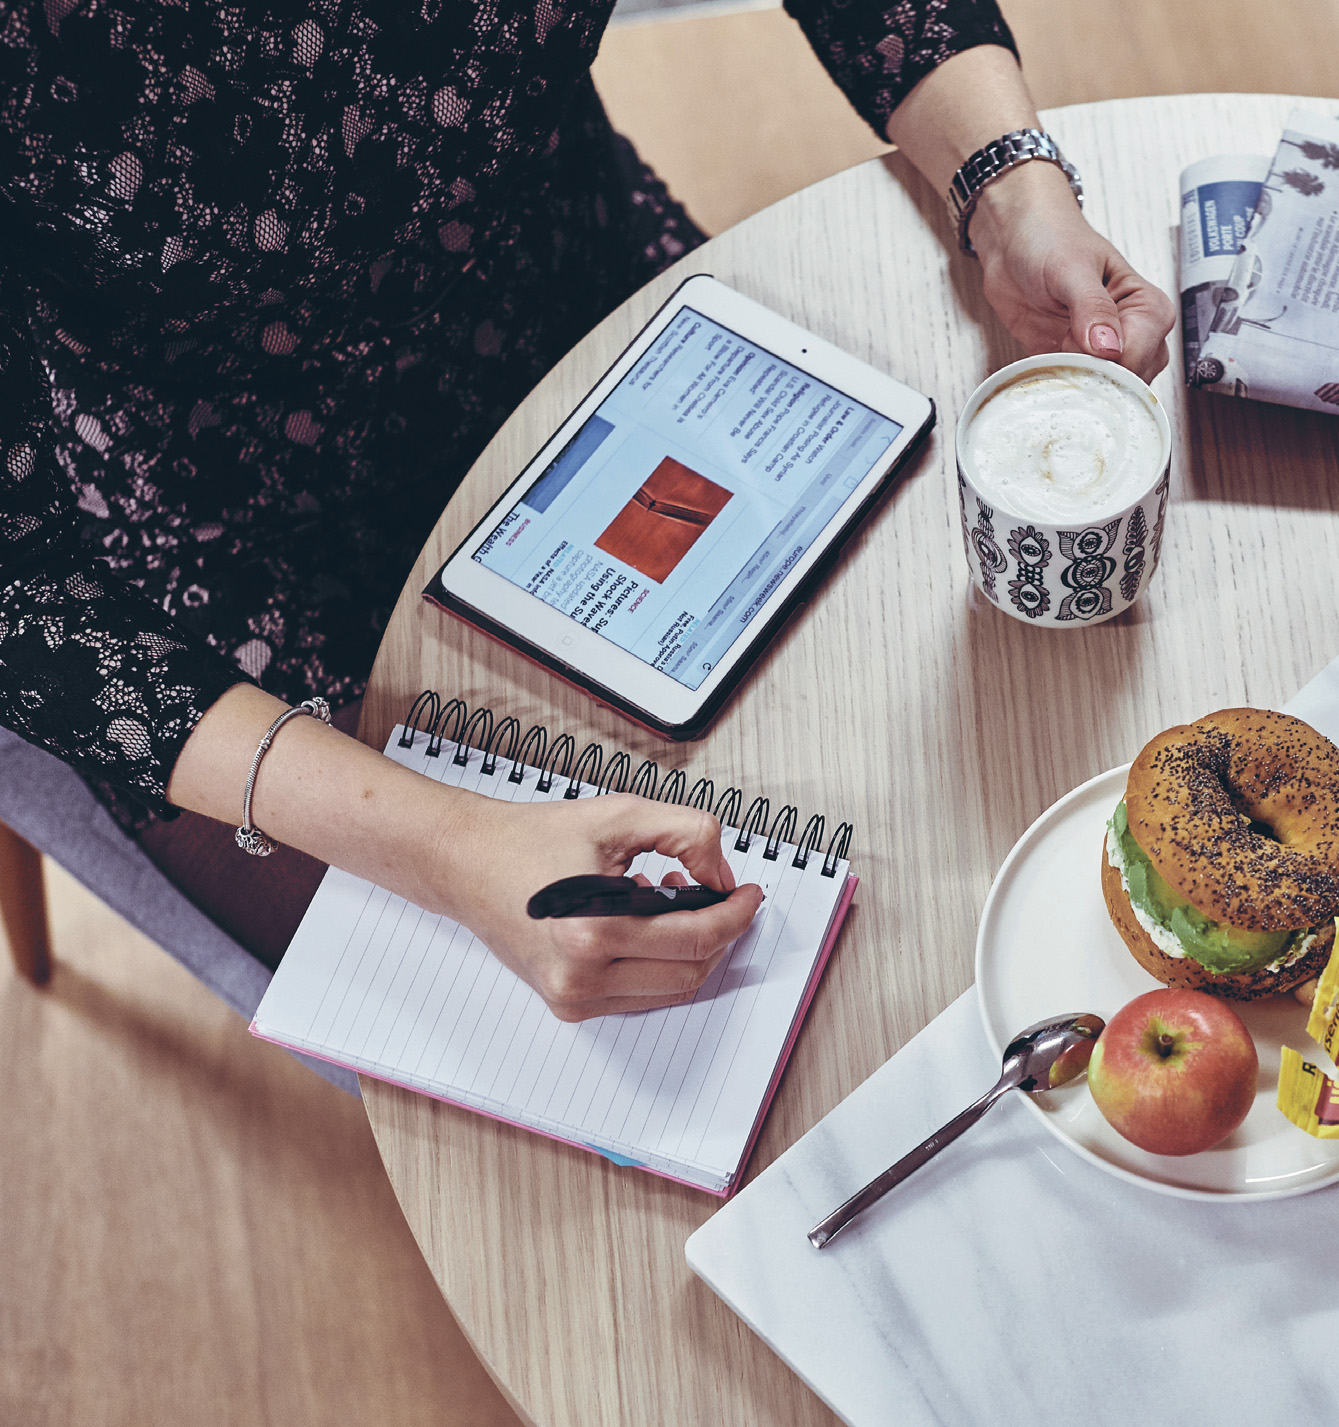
377, 984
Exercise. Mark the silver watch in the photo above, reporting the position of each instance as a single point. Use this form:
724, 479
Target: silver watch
1019, 146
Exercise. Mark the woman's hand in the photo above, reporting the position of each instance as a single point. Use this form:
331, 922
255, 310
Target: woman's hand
475, 859
591, 966
1057, 284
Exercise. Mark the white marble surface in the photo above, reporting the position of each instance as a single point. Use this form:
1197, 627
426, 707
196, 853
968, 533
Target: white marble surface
1011, 1282
1318, 702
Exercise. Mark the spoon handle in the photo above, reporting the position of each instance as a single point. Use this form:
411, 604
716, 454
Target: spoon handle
823, 1233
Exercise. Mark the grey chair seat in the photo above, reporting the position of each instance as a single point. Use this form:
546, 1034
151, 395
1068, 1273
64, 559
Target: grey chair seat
51, 807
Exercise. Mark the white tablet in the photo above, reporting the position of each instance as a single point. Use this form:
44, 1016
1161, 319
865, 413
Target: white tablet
690, 502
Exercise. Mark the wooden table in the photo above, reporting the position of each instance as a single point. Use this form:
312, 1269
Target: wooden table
941, 726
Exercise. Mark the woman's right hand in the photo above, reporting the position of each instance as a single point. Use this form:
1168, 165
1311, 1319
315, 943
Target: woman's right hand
500, 854
475, 859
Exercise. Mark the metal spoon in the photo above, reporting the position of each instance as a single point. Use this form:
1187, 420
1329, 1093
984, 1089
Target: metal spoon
1043, 1057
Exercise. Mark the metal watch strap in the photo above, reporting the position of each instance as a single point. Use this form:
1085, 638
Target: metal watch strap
249, 837
1019, 146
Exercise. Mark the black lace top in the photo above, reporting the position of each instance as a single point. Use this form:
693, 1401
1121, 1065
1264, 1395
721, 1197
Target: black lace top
270, 277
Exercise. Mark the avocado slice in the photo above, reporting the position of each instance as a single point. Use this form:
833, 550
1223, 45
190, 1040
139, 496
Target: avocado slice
1222, 949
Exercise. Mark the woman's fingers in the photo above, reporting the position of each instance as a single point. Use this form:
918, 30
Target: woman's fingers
1147, 316
692, 936
592, 966
690, 835
670, 980
602, 960
695, 935
641, 984
619, 1006
1113, 312
670, 879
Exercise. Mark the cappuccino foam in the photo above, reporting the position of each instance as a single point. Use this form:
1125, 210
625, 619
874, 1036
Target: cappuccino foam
1063, 443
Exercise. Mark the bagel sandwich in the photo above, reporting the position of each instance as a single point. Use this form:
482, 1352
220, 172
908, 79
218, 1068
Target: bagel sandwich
1220, 868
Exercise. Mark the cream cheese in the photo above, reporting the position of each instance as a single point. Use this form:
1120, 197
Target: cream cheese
1162, 937
1303, 946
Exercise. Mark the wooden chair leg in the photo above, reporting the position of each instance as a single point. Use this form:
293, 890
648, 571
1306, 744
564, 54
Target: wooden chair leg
23, 907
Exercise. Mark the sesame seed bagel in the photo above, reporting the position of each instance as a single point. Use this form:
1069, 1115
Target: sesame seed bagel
1239, 813
1187, 973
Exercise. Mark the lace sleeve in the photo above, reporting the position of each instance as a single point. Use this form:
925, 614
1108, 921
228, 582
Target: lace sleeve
89, 668
879, 51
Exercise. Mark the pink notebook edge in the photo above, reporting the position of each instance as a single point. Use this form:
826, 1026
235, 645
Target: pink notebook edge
801, 1015
801, 1012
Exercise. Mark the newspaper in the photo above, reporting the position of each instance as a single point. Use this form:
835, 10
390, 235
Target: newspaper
1260, 270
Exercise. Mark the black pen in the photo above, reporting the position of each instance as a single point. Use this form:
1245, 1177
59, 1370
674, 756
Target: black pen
591, 895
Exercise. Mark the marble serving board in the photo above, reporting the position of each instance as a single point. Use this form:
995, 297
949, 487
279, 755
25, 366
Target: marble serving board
1010, 1282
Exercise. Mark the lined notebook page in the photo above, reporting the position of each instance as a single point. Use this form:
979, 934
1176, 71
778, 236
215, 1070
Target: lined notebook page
378, 984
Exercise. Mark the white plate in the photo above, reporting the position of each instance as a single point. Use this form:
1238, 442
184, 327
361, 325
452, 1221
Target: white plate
1047, 947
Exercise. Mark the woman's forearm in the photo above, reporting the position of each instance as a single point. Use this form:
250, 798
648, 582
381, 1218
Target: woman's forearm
473, 858
324, 793
970, 99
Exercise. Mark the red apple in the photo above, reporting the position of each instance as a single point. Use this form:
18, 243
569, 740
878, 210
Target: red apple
1174, 1071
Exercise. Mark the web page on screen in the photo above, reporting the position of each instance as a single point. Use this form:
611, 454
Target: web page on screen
671, 516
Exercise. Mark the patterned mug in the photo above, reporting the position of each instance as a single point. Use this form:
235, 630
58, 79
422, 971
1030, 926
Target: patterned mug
1081, 570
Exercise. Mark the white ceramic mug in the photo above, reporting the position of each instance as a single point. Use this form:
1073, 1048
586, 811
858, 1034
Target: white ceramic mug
1085, 568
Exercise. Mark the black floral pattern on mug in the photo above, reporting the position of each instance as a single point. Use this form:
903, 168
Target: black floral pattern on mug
1032, 550
1161, 489
1089, 570
1136, 533
966, 524
987, 550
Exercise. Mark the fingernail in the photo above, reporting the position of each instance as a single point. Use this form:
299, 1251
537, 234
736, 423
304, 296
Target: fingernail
1105, 341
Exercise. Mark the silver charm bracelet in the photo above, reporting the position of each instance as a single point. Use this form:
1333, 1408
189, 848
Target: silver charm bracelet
1019, 146
249, 837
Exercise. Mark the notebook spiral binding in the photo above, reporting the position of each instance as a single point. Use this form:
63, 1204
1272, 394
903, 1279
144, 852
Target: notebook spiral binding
502, 742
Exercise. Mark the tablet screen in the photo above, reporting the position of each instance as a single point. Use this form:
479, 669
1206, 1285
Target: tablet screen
678, 507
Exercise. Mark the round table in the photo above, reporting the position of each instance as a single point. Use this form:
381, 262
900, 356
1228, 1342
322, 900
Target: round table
940, 726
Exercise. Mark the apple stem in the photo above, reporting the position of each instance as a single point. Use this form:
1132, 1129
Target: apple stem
1166, 1044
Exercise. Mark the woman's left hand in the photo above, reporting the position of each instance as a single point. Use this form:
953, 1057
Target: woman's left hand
1057, 284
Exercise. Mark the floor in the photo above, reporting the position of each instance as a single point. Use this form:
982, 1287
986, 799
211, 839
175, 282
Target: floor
193, 1229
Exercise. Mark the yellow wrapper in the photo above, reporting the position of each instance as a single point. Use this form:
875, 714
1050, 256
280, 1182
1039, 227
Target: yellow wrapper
1324, 1023
1307, 1096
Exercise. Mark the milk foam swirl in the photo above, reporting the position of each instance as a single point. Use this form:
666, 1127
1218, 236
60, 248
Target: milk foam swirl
1063, 443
